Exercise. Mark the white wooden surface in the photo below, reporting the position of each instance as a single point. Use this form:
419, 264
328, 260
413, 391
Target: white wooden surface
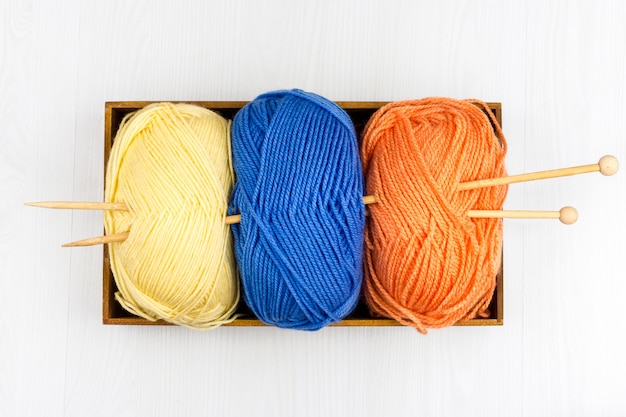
557, 66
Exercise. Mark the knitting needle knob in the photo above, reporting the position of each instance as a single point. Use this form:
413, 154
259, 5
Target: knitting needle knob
568, 214
608, 165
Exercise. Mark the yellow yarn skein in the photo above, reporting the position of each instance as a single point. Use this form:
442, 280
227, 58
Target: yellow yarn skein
170, 164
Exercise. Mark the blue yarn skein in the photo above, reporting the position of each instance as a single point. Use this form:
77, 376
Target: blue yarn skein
299, 190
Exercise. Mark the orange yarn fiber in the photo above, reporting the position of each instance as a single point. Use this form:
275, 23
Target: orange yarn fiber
427, 264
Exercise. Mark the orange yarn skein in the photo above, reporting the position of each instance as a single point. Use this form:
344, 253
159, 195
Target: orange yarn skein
427, 264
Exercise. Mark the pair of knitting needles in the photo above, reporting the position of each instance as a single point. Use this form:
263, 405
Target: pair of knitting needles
607, 165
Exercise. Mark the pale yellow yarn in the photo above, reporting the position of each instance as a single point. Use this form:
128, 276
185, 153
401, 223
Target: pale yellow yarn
170, 164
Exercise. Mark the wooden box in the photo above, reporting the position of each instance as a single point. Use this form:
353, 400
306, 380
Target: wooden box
360, 112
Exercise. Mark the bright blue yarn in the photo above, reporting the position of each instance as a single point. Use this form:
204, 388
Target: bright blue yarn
299, 190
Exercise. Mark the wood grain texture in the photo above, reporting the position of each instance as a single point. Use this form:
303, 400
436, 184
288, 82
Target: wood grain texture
558, 68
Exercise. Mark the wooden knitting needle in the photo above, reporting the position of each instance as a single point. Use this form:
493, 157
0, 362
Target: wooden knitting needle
79, 205
567, 215
119, 237
607, 165
236, 218
100, 240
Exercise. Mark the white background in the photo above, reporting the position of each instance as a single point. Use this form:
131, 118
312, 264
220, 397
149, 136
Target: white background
558, 68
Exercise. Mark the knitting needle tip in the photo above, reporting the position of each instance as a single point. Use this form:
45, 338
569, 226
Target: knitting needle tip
78, 205
99, 240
